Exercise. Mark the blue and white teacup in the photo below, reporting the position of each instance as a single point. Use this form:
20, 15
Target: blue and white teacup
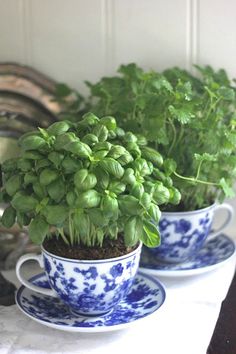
183, 234
88, 287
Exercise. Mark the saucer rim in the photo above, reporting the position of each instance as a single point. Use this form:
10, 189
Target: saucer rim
95, 329
194, 271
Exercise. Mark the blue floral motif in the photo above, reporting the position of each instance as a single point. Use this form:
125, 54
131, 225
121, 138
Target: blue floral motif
47, 265
183, 226
91, 287
145, 297
182, 237
90, 273
214, 252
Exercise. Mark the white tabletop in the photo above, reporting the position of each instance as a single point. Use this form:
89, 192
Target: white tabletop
183, 325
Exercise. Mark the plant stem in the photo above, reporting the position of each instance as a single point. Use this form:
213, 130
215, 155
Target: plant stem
195, 180
71, 230
174, 136
63, 236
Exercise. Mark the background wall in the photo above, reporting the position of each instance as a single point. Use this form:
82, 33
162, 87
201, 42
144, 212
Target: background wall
75, 40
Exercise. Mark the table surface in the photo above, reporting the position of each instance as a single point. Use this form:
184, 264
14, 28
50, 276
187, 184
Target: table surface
185, 324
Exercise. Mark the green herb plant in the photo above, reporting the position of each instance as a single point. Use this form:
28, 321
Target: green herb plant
87, 181
190, 119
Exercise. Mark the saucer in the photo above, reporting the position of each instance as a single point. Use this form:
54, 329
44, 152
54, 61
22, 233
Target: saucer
146, 296
214, 253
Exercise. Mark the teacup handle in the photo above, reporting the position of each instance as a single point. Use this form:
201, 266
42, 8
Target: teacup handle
39, 259
230, 215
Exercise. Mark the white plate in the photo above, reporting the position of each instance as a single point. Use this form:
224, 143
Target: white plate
146, 296
214, 253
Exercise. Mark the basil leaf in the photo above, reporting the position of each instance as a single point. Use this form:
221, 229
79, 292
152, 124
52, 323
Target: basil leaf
38, 229
88, 199
79, 149
55, 214
32, 142
112, 167
24, 203
152, 155
129, 205
150, 235
57, 189
84, 180
47, 176
8, 217
133, 230
110, 207
154, 212
13, 185
59, 128
97, 217
109, 122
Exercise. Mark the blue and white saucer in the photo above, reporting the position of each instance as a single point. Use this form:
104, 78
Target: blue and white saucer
214, 253
146, 296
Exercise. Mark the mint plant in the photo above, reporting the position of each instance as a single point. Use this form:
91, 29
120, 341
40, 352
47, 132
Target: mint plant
87, 181
190, 120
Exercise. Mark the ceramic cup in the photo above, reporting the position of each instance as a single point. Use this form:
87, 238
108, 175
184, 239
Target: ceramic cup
87, 287
183, 234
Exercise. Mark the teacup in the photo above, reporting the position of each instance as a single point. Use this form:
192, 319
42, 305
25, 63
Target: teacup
88, 287
183, 234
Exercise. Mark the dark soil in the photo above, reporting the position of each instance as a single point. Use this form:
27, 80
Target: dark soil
110, 249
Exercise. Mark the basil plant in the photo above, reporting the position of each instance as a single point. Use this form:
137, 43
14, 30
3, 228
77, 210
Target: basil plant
87, 181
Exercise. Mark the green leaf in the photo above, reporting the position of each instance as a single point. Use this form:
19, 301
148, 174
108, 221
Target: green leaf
97, 217
62, 90
32, 143
79, 149
154, 212
62, 140
24, 203
228, 94
47, 176
8, 217
38, 229
55, 214
112, 166
57, 189
227, 189
150, 235
13, 185
152, 155
183, 115
169, 166
109, 206
59, 128
117, 187
56, 158
129, 205
133, 230
109, 122
84, 180
101, 132
88, 199
205, 157
161, 194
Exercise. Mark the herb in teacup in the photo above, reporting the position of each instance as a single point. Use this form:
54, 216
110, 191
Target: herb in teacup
190, 120
87, 181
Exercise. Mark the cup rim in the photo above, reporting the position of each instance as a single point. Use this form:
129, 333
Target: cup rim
191, 212
94, 261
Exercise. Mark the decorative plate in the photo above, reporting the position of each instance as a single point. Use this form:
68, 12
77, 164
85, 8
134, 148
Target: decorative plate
215, 252
146, 296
